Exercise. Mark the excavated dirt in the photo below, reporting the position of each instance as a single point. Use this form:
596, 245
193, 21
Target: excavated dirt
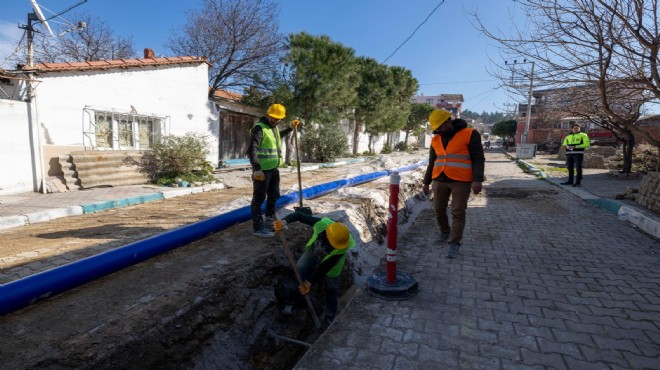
209, 304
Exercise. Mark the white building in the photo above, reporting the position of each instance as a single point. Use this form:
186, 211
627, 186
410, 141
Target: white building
98, 105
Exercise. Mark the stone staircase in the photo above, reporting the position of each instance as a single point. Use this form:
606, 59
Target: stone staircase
89, 169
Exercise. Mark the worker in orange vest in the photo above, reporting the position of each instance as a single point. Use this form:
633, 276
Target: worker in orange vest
456, 167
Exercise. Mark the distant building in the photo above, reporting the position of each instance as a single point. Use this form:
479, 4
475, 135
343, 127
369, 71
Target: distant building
450, 102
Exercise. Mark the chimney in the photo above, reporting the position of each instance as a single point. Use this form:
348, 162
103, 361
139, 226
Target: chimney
148, 53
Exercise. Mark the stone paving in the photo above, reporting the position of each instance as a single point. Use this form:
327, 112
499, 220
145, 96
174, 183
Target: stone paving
545, 280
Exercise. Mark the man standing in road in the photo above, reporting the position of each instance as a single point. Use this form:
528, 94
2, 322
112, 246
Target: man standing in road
575, 144
456, 167
265, 154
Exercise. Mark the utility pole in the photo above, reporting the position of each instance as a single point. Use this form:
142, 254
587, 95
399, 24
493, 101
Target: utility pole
34, 18
529, 96
529, 104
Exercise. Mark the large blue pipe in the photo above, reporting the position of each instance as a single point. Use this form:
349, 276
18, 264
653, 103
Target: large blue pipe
34, 288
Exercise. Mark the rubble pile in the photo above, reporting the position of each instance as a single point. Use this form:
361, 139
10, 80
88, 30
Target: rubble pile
649, 192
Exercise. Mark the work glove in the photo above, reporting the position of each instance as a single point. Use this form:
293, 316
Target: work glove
279, 225
258, 175
426, 190
305, 287
295, 123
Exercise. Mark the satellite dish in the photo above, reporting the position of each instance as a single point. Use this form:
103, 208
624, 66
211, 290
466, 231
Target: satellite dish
41, 17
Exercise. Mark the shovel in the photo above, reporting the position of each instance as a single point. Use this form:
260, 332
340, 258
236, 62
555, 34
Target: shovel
292, 261
301, 209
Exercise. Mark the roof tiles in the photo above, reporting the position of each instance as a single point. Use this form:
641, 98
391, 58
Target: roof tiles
120, 63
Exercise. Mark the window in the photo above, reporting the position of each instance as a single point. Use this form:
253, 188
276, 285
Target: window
430, 101
120, 131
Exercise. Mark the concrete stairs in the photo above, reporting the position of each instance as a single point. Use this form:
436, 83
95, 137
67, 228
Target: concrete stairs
88, 169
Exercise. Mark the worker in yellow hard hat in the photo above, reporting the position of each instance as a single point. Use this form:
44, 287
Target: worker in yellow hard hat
456, 167
265, 154
324, 256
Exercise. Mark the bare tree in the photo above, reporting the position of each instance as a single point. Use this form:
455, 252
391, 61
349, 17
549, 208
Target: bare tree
240, 39
587, 49
94, 42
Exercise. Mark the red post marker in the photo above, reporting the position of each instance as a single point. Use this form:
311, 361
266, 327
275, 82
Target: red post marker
392, 219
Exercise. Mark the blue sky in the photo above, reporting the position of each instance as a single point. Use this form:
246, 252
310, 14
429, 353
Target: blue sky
446, 54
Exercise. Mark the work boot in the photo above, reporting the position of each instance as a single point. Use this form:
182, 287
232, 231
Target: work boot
577, 184
263, 233
453, 250
566, 183
268, 224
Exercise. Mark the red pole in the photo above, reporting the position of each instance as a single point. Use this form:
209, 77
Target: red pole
392, 219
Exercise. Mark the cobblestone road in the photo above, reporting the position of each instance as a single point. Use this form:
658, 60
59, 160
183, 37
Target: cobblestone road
544, 281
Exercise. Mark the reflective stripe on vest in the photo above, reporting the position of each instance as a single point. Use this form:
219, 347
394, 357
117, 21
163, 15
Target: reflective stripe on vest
454, 161
320, 227
577, 139
269, 151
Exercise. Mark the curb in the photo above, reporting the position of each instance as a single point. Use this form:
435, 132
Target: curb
9, 222
648, 223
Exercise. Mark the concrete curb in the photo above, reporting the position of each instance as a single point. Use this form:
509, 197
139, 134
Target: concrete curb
9, 222
645, 222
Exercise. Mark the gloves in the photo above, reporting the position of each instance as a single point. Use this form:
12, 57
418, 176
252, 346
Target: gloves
279, 225
295, 123
425, 190
258, 176
305, 287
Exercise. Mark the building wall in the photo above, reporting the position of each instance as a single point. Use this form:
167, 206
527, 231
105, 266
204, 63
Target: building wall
178, 92
62, 100
15, 150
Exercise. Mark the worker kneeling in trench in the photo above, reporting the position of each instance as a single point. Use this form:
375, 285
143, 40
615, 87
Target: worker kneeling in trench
323, 257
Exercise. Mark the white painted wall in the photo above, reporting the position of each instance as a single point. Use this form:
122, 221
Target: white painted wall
174, 91
178, 92
15, 152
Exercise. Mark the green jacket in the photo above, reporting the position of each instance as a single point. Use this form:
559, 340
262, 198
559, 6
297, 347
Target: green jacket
333, 262
579, 141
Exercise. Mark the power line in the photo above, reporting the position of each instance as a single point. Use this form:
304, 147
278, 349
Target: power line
409, 37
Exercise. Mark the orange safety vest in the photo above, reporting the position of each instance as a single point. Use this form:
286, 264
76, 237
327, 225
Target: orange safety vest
455, 160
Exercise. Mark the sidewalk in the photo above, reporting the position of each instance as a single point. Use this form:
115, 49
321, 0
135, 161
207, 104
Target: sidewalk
600, 189
29, 208
544, 280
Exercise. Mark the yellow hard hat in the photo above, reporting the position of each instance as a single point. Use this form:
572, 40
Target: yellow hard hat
277, 111
438, 117
338, 235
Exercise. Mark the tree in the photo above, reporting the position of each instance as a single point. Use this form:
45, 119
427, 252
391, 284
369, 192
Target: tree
371, 92
602, 52
402, 86
505, 129
97, 41
240, 39
419, 115
398, 87
323, 77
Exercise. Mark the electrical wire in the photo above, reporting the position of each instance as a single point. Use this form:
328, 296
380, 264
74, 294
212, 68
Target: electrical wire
18, 47
413, 34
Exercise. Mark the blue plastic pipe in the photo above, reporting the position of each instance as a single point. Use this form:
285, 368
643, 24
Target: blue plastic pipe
34, 288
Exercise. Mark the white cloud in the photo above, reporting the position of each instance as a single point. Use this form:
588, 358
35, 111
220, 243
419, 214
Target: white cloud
10, 34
